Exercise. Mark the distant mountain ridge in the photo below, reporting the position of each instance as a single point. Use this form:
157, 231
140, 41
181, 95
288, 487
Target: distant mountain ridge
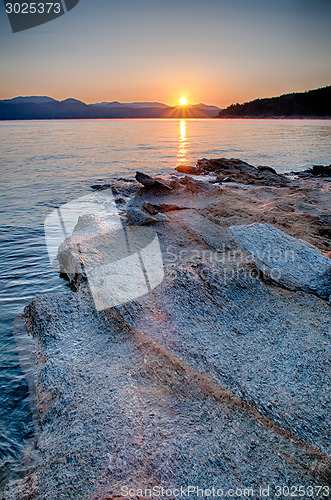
117, 104
311, 104
47, 108
30, 99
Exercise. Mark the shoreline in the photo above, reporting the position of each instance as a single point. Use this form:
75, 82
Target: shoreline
175, 118
209, 376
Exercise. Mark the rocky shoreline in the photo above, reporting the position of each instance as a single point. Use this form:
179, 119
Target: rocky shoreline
218, 376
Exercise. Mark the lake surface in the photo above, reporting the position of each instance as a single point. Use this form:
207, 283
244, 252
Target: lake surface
46, 163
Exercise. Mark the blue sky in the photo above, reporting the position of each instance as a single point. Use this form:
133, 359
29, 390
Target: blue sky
215, 51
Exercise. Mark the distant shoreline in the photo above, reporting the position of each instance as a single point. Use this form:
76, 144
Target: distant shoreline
274, 117
311, 104
325, 118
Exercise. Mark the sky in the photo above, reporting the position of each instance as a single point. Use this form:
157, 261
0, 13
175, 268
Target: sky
213, 51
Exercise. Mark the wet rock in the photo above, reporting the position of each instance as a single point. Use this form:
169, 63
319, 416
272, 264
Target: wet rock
322, 171
100, 187
263, 168
149, 183
304, 175
290, 262
240, 171
316, 171
187, 169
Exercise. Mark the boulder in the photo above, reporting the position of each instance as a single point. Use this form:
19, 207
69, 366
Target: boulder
316, 171
187, 169
292, 263
149, 183
240, 171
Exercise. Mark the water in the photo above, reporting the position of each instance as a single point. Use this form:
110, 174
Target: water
47, 163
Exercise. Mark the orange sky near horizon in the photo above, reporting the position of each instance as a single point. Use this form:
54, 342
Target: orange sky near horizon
219, 97
216, 52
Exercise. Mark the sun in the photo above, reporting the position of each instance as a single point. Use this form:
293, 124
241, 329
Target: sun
183, 101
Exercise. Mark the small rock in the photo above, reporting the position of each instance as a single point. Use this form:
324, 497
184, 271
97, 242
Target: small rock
316, 171
148, 182
119, 201
136, 217
150, 208
187, 169
322, 171
161, 218
100, 187
174, 184
184, 180
195, 187
304, 175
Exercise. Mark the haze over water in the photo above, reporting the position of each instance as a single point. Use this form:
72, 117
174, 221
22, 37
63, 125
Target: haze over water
47, 163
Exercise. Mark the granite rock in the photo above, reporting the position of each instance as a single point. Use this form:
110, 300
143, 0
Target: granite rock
292, 263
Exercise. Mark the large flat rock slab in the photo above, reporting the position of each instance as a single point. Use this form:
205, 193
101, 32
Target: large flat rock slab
215, 236
117, 410
265, 344
290, 262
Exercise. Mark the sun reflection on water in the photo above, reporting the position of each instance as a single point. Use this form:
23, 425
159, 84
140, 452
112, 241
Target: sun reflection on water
182, 143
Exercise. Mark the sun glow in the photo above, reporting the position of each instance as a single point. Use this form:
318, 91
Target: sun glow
183, 101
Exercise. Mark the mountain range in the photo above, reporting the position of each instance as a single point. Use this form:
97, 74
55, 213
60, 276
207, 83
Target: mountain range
43, 107
311, 104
